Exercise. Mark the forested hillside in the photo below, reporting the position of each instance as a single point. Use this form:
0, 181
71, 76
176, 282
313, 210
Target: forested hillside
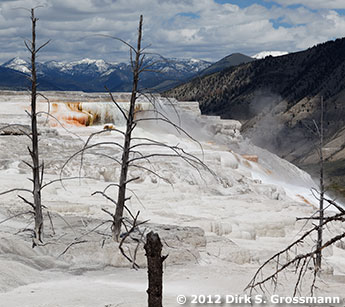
277, 99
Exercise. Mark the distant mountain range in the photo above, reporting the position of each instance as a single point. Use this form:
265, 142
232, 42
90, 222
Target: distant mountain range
92, 75
277, 99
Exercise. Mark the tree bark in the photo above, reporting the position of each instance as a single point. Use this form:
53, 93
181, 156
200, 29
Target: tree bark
153, 248
322, 191
34, 150
121, 199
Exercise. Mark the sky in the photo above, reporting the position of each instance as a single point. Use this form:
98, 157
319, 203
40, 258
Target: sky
201, 29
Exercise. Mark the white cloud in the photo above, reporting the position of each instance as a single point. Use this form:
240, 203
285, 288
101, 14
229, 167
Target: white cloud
219, 30
314, 4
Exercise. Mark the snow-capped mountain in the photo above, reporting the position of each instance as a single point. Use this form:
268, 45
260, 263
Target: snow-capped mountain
179, 65
94, 74
263, 54
18, 64
85, 66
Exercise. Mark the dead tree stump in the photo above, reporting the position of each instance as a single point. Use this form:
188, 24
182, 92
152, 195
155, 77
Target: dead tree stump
153, 248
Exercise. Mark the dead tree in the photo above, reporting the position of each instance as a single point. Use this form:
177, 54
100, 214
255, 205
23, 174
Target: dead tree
301, 263
304, 262
37, 169
153, 249
35, 165
130, 156
121, 197
130, 148
322, 187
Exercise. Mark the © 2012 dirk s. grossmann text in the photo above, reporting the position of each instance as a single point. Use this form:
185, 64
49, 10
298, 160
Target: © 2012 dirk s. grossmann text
257, 300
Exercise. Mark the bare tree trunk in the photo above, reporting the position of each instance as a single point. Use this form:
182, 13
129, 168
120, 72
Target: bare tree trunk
322, 191
34, 137
153, 248
116, 228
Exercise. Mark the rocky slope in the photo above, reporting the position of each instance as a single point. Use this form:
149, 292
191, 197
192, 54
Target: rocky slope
277, 99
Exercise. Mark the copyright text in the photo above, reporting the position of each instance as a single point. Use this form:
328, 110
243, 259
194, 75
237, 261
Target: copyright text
256, 300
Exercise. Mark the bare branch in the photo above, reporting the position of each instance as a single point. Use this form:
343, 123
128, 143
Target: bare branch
254, 283
28, 164
172, 124
132, 179
332, 202
113, 201
117, 105
81, 151
66, 222
108, 157
126, 235
61, 125
51, 222
66, 179
119, 39
47, 99
16, 215
27, 46
70, 245
106, 196
106, 211
27, 202
16, 190
42, 46
152, 172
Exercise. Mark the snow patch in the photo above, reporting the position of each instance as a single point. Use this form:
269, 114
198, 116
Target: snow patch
18, 64
264, 54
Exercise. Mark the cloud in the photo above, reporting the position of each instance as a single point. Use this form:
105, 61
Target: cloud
313, 4
174, 28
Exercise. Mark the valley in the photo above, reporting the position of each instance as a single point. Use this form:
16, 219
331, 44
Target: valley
278, 98
168, 153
